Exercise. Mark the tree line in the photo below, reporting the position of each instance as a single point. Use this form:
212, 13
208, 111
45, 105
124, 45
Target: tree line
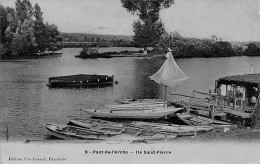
209, 47
149, 31
24, 33
87, 37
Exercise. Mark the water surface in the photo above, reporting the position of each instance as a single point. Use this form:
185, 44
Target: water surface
30, 103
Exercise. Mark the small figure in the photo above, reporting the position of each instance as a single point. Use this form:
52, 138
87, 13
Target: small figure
253, 99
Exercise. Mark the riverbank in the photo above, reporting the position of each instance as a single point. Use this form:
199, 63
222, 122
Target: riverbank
35, 56
236, 135
92, 53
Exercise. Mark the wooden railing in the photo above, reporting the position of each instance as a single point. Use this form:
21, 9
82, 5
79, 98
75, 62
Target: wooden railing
212, 103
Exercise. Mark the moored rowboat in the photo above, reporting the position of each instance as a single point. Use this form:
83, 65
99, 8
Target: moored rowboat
120, 129
154, 113
72, 132
136, 106
172, 128
192, 119
110, 128
94, 122
151, 135
136, 101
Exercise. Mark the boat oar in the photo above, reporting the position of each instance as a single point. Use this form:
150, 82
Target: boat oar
29, 140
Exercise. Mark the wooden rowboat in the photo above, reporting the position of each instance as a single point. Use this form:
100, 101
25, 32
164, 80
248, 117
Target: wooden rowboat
172, 128
155, 113
109, 128
120, 129
94, 122
192, 119
152, 135
72, 132
136, 106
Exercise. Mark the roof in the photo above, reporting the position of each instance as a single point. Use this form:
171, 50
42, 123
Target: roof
247, 78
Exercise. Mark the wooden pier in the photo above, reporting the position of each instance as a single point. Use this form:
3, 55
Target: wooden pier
212, 105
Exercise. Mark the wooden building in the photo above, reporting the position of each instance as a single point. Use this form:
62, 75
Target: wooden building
240, 96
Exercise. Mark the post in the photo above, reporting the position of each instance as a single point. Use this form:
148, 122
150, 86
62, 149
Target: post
188, 107
233, 92
226, 90
165, 94
6, 123
235, 103
212, 111
251, 69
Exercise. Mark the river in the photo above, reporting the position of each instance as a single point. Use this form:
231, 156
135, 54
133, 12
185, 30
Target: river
30, 103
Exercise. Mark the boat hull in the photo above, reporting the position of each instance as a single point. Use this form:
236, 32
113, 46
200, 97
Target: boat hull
109, 129
73, 133
81, 80
192, 119
136, 106
173, 128
138, 101
133, 114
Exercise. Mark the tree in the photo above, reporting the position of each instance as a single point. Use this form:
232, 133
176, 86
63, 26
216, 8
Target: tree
23, 32
53, 39
40, 29
149, 28
23, 40
3, 23
147, 33
146, 9
24, 10
252, 49
97, 39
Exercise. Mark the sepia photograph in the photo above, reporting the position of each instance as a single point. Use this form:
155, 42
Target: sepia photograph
129, 81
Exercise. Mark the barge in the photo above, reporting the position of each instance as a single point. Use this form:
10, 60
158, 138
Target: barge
80, 81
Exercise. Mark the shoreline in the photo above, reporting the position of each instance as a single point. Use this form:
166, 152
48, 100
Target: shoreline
216, 135
108, 55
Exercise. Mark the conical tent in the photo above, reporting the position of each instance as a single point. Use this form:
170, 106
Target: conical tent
169, 74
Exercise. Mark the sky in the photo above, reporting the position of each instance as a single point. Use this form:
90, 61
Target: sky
233, 20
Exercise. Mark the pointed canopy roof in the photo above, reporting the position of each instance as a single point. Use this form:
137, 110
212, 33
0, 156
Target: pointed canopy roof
169, 74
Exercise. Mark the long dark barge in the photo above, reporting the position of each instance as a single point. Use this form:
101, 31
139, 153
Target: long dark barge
81, 81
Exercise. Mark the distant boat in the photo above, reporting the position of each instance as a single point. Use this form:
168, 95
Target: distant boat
80, 80
154, 113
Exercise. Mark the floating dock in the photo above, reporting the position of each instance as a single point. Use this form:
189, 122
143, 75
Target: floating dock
81, 80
